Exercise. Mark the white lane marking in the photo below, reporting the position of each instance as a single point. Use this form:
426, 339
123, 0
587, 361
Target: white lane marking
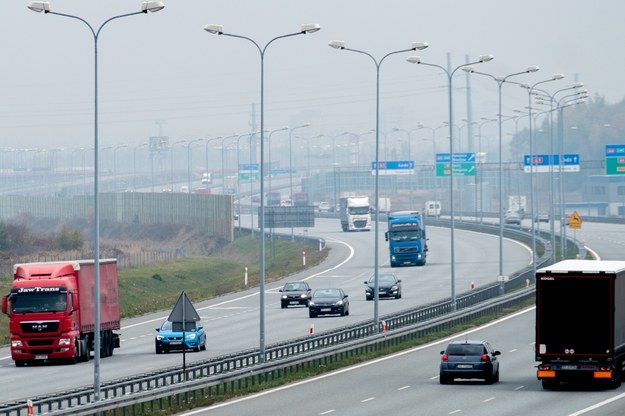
598, 405
328, 412
488, 400
216, 306
357, 366
368, 399
403, 388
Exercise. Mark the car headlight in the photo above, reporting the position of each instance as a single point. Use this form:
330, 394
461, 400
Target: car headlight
340, 302
159, 337
394, 287
311, 303
191, 336
284, 296
16, 343
303, 296
65, 341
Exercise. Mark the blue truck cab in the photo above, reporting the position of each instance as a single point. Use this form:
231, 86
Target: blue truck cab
406, 238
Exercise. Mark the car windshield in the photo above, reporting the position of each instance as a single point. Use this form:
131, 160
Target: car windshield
465, 349
294, 286
327, 293
177, 326
383, 278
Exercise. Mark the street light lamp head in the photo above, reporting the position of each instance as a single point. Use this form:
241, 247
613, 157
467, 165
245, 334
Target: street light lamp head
414, 59
310, 28
39, 6
337, 44
419, 45
214, 29
578, 85
469, 68
557, 76
486, 58
531, 68
152, 6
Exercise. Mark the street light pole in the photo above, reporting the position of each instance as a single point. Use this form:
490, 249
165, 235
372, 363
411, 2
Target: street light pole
530, 90
121, 146
500, 80
206, 153
146, 6
481, 160
218, 30
541, 96
450, 74
291, 168
338, 44
336, 196
189, 162
171, 148
434, 178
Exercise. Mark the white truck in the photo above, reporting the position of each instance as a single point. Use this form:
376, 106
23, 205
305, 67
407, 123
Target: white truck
432, 208
355, 213
384, 205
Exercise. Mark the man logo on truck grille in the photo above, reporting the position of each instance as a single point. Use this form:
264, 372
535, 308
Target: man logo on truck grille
40, 327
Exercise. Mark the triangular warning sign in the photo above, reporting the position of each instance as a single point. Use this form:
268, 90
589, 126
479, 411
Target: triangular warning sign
575, 221
184, 311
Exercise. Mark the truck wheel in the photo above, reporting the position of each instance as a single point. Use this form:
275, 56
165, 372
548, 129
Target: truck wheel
550, 384
616, 381
83, 345
20, 363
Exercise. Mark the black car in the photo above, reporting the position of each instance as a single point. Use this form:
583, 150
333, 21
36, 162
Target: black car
469, 359
328, 301
388, 286
295, 293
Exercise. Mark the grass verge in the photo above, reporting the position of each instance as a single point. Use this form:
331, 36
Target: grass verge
157, 287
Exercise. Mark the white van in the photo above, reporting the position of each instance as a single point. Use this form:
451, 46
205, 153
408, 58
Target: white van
433, 208
206, 178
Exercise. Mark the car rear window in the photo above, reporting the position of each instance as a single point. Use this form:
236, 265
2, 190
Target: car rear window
465, 349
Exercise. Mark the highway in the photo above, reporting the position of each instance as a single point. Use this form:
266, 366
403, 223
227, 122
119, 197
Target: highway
410, 382
232, 321
406, 384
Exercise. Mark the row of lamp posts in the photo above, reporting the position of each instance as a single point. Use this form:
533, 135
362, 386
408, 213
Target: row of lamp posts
153, 6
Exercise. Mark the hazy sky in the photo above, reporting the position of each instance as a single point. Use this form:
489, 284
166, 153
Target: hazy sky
161, 73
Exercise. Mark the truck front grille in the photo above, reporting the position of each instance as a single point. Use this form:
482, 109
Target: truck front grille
38, 327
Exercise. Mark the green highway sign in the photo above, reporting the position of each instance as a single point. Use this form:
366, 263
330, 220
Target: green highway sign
246, 176
463, 164
615, 159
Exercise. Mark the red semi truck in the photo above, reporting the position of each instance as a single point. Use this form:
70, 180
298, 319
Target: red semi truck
51, 310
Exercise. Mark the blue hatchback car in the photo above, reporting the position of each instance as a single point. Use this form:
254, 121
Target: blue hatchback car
169, 337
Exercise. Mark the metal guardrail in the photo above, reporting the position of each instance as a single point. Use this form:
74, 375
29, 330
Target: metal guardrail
242, 365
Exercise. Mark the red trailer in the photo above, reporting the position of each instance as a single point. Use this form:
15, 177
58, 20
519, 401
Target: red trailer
51, 310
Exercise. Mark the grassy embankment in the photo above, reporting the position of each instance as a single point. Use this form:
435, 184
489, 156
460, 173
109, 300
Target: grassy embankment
157, 287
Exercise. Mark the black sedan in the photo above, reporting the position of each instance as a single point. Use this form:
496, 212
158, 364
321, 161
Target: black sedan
328, 301
469, 359
295, 293
388, 286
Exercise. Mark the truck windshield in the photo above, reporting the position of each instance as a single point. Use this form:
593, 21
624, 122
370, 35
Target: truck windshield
406, 235
358, 210
38, 302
